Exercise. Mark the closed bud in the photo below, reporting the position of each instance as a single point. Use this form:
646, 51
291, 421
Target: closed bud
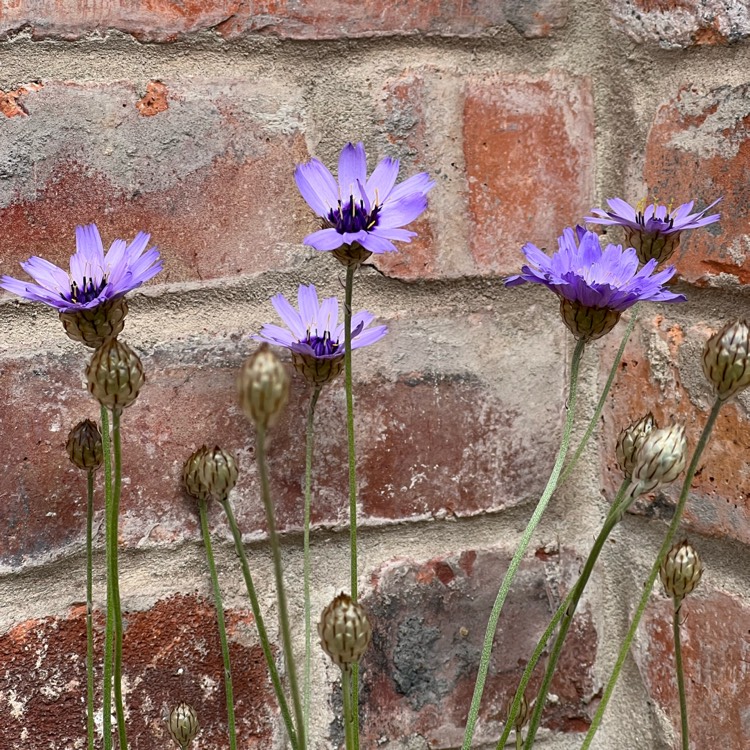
183, 725
681, 570
630, 441
726, 359
84, 445
94, 326
523, 712
210, 473
115, 375
661, 458
263, 387
588, 323
344, 631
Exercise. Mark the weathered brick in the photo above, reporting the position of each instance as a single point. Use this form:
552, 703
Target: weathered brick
429, 620
682, 23
171, 653
529, 152
163, 21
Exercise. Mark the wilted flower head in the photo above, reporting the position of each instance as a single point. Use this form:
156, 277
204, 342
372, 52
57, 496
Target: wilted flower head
522, 716
344, 630
726, 359
357, 211
314, 335
681, 570
630, 441
661, 458
653, 229
183, 725
210, 473
263, 387
594, 285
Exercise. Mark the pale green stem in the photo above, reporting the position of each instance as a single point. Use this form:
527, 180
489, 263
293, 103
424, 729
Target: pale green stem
625, 648
489, 637
262, 633
90, 609
680, 673
109, 632
273, 538
228, 689
349, 719
519, 740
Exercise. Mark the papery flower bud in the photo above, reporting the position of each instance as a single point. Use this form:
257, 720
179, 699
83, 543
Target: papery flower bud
315, 370
344, 630
84, 445
351, 255
183, 725
662, 457
522, 716
263, 387
726, 359
650, 245
93, 326
588, 323
210, 473
681, 570
630, 441
115, 375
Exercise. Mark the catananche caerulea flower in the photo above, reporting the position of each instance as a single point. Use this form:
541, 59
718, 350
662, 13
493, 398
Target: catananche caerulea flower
361, 213
654, 229
314, 335
595, 285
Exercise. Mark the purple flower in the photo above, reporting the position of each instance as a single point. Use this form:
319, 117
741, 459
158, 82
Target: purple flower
654, 229
367, 211
94, 278
594, 285
314, 335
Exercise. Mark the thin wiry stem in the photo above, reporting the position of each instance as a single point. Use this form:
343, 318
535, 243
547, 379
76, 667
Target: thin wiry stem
90, 608
110, 531
680, 673
349, 719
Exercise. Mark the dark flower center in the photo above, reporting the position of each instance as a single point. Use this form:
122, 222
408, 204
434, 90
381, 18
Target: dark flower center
353, 217
87, 291
653, 224
321, 345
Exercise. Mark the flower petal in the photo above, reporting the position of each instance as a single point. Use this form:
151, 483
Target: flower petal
289, 315
352, 169
317, 186
325, 239
403, 211
382, 180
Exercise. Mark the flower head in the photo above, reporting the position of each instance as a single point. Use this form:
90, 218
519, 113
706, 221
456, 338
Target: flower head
314, 335
653, 229
357, 210
595, 286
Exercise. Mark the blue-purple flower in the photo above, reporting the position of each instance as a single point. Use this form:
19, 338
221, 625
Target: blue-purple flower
313, 334
358, 211
653, 229
594, 285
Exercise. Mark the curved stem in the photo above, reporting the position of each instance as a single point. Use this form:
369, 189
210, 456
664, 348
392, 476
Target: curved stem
109, 632
229, 691
680, 673
666, 544
309, 443
273, 537
260, 624
489, 637
89, 609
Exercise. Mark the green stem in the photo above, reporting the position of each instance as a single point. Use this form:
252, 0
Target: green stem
619, 506
222, 626
625, 648
349, 720
680, 674
90, 609
273, 537
262, 633
309, 440
519, 740
109, 632
489, 637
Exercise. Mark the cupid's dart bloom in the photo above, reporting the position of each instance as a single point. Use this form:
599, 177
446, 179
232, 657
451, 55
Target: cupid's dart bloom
595, 286
654, 229
314, 335
361, 215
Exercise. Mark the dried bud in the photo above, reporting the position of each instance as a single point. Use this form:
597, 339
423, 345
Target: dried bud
84, 445
344, 630
681, 570
183, 725
115, 375
264, 387
523, 712
94, 326
210, 473
630, 441
726, 359
662, 457
588, 323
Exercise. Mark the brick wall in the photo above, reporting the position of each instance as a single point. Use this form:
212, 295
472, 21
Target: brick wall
186, 120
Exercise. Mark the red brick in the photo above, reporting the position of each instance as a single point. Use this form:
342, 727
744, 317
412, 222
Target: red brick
661, 372
171, 653
11, 102
429, 620
154, 100
529, 152
682, 23
715, 646
699, 149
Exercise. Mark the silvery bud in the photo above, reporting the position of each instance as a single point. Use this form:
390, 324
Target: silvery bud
210, 473
115, 375
264, 387
84, 445
523, 712
630, 441
183, 725
344, 630
681, 570
662, 457
94, 326
726, 359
